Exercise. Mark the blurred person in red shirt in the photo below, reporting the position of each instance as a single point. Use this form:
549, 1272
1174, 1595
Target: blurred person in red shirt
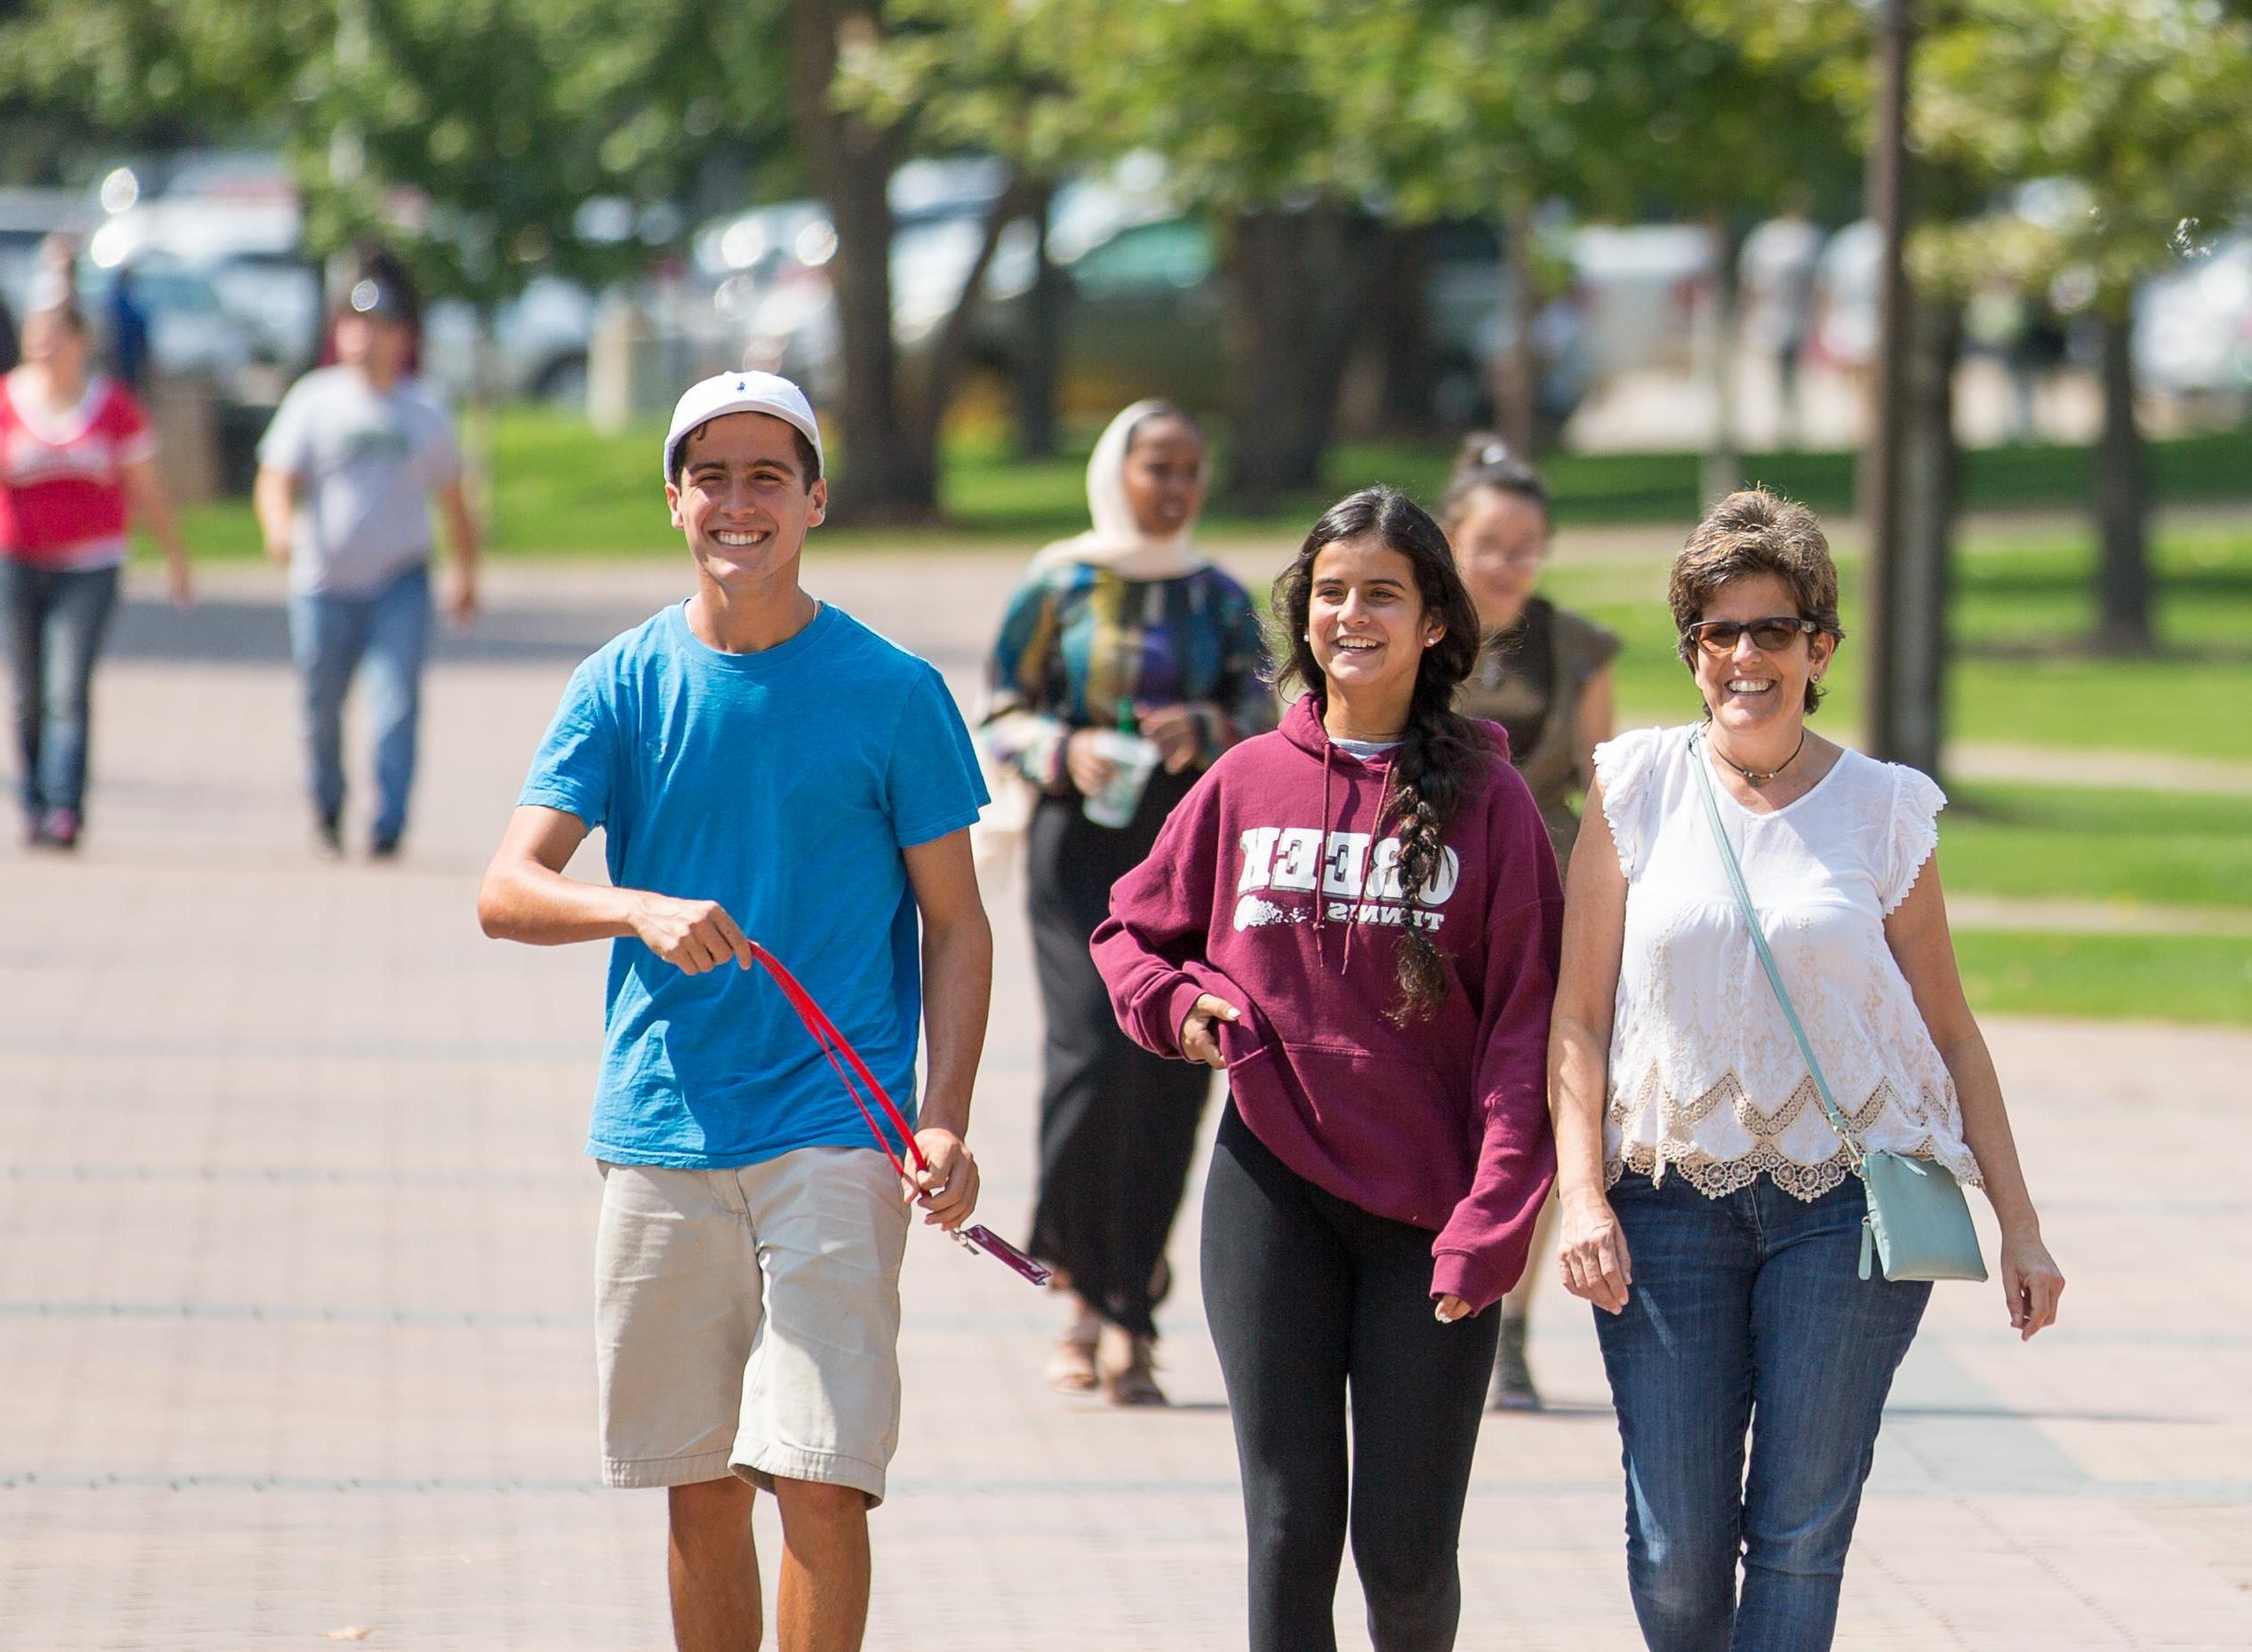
76, 467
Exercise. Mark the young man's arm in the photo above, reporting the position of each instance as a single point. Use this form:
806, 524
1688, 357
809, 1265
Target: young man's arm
461, 538
958, 984
274, 496
526, 897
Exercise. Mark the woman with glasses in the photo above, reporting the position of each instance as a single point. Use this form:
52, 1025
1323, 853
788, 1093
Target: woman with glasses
1544, 675
1709, 1207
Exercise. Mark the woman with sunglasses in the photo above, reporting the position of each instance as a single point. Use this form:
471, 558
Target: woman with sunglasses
1708, 1206
1543, 672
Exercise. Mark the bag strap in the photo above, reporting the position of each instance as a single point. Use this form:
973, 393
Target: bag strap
1758, 941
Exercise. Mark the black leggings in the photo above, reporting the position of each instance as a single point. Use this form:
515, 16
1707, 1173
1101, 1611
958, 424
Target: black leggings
1309, 1296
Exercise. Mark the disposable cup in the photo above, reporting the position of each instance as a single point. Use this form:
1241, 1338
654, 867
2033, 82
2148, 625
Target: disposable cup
1134, 760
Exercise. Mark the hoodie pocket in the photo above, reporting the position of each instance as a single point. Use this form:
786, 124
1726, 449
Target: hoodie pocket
1379, 1130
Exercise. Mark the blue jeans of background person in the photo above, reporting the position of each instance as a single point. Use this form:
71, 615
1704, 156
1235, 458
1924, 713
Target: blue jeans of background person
1747, 1312
56, 619
330, 636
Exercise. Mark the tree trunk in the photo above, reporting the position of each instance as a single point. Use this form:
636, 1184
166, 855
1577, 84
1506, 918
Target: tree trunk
1915, 631
1299, 290
2122, 505
1517, 376
890, 476
941, 370
1721, 471
1880, 484
1036, 374
1401, 314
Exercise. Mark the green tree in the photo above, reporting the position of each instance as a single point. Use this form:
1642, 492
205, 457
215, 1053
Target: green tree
1618, 109
1309, 128
469, 133
2140, 105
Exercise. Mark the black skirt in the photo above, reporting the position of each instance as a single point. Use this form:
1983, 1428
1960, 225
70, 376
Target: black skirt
1117, 1124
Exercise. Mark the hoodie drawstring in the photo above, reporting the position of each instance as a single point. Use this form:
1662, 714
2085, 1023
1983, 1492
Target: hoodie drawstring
1376, 825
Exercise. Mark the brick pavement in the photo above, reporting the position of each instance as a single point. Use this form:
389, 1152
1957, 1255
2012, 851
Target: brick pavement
294, 1289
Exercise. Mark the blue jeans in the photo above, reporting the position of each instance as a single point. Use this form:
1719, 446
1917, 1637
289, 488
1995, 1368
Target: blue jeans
56, 619
1746, 1313
329, 636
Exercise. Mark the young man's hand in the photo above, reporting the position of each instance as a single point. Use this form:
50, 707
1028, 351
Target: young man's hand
690, 935
461, 600
948, 1190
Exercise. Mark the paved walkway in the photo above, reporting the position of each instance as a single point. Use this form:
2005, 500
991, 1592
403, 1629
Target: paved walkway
294, 1243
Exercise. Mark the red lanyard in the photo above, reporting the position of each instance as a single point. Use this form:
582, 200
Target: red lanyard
838, 1050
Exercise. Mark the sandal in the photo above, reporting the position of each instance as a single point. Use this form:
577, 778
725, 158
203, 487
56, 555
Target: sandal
1133, 1380
1071, 1363
1071, 1367
1513, 1388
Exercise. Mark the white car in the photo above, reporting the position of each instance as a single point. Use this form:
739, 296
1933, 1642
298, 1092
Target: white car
2193, 325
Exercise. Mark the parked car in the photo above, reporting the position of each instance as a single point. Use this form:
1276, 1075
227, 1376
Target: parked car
2193, 325
1146, 311
278, 296
540, 343
192, 334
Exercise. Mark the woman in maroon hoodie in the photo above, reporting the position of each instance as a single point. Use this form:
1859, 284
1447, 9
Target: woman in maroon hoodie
1358, 917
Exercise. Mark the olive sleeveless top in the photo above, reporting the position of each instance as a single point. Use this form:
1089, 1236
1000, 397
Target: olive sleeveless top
1529, 679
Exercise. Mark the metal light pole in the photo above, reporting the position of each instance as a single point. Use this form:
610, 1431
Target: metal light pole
1882, 463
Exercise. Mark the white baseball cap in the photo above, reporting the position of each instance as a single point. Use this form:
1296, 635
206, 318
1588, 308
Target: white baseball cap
741, 393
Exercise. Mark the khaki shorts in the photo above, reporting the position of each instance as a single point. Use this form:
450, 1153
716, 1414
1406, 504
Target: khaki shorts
747, 1320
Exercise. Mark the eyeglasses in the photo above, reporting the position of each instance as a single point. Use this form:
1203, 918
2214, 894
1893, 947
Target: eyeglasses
1770, 636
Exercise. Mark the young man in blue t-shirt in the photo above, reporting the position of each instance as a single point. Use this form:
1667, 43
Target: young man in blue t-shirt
763, 766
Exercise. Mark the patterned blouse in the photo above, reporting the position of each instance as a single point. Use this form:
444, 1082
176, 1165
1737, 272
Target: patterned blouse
1079, 642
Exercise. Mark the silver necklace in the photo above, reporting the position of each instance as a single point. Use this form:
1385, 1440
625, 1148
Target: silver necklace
1758, 777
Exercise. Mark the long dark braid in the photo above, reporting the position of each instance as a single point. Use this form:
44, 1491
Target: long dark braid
1438, 754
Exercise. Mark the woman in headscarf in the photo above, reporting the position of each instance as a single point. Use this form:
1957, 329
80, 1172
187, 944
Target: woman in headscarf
1123, 628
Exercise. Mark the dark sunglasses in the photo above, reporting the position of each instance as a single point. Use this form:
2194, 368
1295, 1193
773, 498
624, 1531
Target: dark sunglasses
1770, 636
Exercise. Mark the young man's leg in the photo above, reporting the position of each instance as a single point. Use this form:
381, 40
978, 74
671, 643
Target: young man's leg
825, 1567
327, 635
676, 1308
712, 1568
398, 639
821, 1396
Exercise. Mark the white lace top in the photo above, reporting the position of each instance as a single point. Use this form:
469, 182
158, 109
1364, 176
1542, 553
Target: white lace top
1705, 1075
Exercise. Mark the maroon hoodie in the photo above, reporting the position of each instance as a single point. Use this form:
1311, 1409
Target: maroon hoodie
1443, 1123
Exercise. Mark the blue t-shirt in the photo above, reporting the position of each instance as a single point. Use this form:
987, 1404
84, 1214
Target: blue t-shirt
783, 785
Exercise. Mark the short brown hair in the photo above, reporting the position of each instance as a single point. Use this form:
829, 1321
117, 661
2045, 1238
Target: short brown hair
1754, 532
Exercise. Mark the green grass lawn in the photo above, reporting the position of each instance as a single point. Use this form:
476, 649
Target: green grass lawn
2159, 848
560, 489
2189, 978
2020, 676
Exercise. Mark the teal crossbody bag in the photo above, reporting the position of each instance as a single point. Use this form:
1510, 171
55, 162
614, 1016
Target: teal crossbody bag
1918, 1224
